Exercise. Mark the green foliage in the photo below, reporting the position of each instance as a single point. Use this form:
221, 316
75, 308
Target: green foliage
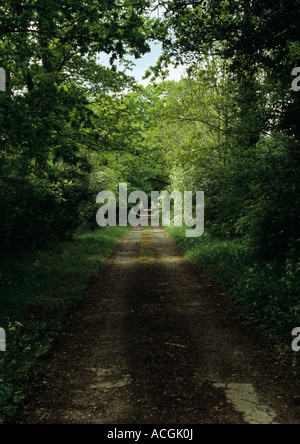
267, 292
38, 291
230, 128
49, 128
213, 137
272, 218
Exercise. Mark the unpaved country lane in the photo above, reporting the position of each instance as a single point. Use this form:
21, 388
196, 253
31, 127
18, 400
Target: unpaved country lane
157, 343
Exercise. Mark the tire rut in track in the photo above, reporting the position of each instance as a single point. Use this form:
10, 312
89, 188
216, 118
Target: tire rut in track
158, 343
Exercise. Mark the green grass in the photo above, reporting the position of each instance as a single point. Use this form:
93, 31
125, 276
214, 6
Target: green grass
37, 279
266, 292
37, 292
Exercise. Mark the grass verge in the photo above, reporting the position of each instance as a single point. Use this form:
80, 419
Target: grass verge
38, 291
267, 293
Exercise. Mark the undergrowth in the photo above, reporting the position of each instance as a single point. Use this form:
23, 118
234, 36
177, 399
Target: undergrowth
267, 292
38, 291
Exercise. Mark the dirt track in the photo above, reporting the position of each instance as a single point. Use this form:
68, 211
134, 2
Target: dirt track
158, 343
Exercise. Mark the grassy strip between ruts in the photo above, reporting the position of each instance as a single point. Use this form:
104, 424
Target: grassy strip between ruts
267, 293
38, 291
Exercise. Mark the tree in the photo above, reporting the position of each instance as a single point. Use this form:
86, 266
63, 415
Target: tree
258, 42
49, 51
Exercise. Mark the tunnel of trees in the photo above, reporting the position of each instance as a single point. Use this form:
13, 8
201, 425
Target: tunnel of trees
72, 127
